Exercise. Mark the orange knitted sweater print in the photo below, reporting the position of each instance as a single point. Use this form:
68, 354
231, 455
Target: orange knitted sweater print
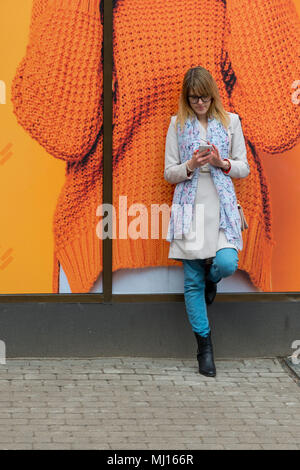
57, 95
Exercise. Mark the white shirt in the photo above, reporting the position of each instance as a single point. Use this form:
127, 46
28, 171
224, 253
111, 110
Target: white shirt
205, 237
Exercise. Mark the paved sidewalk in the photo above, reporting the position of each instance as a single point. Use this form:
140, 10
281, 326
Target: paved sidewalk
143, 403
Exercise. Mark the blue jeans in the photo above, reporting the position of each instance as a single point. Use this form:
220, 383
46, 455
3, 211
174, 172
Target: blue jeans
224, 264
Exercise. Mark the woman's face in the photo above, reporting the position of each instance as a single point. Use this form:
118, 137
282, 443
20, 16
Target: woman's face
199, 105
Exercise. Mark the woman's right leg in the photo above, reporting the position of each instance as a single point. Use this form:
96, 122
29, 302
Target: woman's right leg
194, 285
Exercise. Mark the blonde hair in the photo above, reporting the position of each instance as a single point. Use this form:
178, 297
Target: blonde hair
199, 81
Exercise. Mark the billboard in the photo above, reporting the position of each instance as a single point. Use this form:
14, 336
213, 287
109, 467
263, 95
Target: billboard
52, 138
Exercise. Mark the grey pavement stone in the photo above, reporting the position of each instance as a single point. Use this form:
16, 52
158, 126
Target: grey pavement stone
148, 403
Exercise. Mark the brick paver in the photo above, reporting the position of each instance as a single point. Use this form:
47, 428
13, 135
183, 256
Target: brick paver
144, 403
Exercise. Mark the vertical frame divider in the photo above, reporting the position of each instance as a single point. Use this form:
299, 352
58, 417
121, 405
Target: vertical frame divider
107, 141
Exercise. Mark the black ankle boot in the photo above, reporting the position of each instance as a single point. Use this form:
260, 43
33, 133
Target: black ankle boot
210, 286
205, 355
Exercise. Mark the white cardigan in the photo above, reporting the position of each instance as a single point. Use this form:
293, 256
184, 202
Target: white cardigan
205, 238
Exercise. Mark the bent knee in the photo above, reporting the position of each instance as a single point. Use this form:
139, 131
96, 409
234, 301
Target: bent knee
228, 265
229, 268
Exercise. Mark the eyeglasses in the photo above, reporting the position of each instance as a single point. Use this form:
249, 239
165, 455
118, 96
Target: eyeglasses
194, 99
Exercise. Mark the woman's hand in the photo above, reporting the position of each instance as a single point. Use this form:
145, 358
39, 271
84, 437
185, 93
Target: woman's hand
199, 159
215, 158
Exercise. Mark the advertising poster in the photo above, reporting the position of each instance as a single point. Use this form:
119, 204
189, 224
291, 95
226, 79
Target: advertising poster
51, 149
51, 146
250, 48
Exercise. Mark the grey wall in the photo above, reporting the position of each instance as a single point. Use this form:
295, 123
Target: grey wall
158, 329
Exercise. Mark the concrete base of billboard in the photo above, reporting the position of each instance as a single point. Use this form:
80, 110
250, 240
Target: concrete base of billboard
239, 329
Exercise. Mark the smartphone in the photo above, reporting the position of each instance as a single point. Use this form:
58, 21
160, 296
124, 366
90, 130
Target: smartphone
205, 147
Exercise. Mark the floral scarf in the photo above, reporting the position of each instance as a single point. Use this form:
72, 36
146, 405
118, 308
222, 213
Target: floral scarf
185, 191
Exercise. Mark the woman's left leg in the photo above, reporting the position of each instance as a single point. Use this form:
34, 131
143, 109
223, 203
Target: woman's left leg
224, 264
194, 285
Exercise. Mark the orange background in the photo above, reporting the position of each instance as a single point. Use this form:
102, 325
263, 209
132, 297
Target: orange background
31, 180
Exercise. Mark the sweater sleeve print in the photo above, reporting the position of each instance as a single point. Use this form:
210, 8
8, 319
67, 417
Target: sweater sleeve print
57, 91
263, 43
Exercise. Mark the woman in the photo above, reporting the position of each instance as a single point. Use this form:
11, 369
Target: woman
205, 226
